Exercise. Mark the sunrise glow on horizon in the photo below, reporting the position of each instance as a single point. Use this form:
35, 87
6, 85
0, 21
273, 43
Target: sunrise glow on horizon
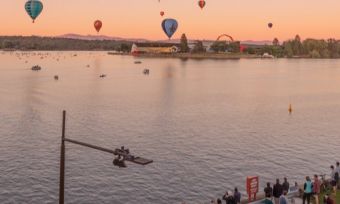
242, 19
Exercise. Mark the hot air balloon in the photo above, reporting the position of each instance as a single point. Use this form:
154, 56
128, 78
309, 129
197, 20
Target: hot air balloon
201, 3
169, 26
98, 25
33, 8
162, 13
270, 25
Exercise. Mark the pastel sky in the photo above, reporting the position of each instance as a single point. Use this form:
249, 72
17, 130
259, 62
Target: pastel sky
242, 19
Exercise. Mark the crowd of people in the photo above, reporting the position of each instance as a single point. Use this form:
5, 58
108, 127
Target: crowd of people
278, 193
229, 198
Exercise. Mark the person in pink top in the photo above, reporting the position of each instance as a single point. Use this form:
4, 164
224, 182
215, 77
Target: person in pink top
316, 188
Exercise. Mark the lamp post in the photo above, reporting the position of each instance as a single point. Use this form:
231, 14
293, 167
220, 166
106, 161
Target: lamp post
121, 155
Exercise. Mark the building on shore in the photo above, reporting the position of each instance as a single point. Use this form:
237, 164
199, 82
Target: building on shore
154, 48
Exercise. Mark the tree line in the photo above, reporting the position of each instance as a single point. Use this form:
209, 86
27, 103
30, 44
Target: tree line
50, 43
308, 48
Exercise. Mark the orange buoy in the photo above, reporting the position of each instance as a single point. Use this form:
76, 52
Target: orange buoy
290, 109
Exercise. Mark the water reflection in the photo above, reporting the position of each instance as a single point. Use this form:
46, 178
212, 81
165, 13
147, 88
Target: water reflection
207, 124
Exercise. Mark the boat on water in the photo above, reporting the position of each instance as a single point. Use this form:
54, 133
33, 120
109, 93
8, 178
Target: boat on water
138, 62
146, 71
36, 68
267, 56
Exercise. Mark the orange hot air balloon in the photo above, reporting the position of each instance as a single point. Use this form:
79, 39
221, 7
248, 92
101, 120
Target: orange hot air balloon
201, 3
162, 13
98, 25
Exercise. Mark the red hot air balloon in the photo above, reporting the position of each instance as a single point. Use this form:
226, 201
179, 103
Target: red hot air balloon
162, 13
201, 3
270, 25
98, 25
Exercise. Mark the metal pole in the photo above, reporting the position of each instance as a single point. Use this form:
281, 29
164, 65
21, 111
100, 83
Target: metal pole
62, 162
91, 146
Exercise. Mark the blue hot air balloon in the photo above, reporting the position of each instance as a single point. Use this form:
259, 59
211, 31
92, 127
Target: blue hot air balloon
33, 8
169, 26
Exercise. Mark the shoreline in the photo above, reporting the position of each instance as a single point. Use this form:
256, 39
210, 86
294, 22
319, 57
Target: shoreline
202, 56
183, 56
214, 56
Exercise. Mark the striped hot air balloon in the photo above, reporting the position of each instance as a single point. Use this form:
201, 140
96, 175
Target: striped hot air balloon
33, 8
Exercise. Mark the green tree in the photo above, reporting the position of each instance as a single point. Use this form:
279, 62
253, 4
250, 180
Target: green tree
184, 43
125, 48
8, 44
310, 45
288, 50
219, 46
333, 47
234, 46
250, 50
297, 45
276, 42
199, 48
314, 54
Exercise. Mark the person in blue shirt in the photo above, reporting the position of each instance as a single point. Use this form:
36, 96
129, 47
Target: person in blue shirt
308, 190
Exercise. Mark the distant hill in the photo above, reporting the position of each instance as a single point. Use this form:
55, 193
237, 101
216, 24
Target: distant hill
61, 43
99, 37
141, 40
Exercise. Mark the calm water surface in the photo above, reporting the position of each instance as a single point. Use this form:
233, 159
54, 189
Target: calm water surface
206, 124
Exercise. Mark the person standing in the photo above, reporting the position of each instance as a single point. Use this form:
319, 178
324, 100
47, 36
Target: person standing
267, 200
333, 179
285, 185
328, 200
337, 174
308, 189
268, 191
283, 199
316, 188
229, 198
277, 191
237, 196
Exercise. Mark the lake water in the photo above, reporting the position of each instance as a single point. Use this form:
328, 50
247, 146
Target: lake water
207, 124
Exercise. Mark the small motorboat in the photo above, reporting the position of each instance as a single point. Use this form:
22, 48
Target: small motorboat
36, 68
56, 77
267, 56
146, 71
102, 76
138, 62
